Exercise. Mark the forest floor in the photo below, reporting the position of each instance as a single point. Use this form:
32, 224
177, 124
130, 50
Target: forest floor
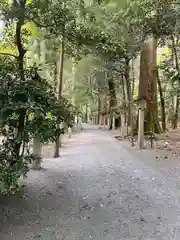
168, 142
98, 189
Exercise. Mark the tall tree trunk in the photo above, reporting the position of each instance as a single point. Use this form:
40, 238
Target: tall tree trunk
176, 114
59, 93
21, 51
133, 77
163, 113
151, 114
99, 109
86, 112
129, 97
74, 63
73, 80
123, 88
112, 99
125, 97
129, 91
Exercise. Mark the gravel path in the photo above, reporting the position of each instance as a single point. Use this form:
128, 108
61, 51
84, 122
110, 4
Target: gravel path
95, 190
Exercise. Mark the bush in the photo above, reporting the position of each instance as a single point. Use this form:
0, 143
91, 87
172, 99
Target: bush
27, 108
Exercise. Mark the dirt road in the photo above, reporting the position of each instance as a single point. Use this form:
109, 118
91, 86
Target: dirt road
95, 190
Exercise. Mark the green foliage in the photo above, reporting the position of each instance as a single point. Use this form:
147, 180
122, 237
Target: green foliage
42, 111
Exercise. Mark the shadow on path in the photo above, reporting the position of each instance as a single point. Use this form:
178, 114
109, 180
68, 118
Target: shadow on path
95, 190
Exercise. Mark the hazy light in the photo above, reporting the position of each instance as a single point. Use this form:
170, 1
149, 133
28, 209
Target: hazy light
1, 29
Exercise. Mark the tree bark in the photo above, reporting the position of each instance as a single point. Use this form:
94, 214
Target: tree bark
141, 124
86, 112
59, 93
37, 147
176, 114
163, 113
148, 70
112, 100
129, 96
73, 80
99, 109
133, 78
125, 96
123, 88
22, 51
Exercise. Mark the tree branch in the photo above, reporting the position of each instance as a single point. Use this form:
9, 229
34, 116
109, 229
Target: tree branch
113, 68
39, 24
9, 54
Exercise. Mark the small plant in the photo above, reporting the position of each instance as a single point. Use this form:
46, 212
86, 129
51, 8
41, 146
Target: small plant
11, 173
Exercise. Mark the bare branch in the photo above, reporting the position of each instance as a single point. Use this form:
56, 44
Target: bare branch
8, 54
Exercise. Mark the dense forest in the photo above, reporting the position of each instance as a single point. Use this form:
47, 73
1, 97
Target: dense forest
115, 63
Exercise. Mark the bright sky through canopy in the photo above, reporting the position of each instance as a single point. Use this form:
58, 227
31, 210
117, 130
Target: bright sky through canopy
1, 27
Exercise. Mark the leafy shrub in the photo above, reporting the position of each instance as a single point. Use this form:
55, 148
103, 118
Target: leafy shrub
27, 108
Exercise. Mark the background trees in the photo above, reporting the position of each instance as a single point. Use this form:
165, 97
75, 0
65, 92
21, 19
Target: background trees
98, 57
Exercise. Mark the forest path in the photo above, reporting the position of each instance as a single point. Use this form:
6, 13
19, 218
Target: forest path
96, 190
